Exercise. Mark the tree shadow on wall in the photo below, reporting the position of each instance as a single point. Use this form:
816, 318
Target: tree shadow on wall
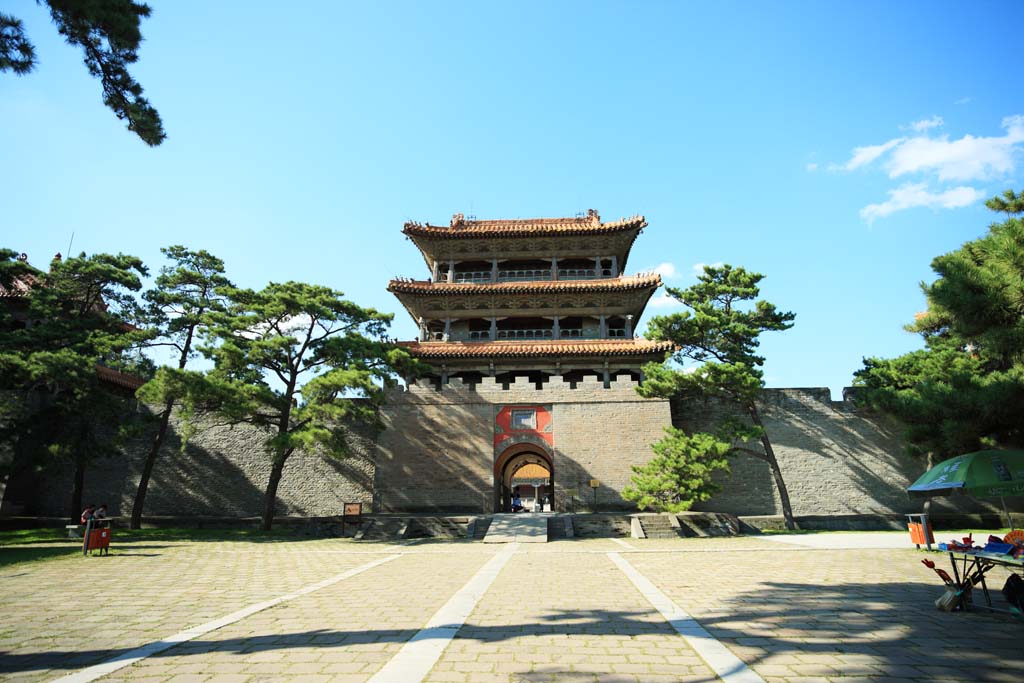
201, 482
419, 464
749, 489
865, 446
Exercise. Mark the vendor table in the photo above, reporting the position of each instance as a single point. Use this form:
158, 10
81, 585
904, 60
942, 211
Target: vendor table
969, 569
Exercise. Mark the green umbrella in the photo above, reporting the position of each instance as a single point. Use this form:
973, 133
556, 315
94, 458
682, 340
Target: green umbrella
984, 474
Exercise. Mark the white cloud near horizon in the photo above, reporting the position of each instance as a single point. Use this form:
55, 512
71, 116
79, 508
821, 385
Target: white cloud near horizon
912, 195
666, 270
663, 300
925, 158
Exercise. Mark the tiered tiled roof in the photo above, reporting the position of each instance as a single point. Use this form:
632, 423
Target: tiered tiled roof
120, 379
524, 227
626, 282
20, 287
537, 349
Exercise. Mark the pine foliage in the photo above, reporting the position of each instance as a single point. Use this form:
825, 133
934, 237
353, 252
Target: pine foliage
680, 473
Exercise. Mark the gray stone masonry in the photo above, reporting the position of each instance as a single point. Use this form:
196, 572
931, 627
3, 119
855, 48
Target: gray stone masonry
836, 459
221, 472
438, 452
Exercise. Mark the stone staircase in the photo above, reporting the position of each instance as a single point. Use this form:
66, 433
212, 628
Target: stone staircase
523, 527
479, 526
658, 526
383, 529
560, 527
602, 526
437, 527
703, 524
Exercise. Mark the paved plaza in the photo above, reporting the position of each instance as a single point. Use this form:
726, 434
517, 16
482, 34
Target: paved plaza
798, 609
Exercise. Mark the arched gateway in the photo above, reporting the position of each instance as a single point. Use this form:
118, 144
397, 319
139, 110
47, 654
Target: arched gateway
526, 468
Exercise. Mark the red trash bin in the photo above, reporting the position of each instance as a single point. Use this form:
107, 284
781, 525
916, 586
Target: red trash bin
99, 539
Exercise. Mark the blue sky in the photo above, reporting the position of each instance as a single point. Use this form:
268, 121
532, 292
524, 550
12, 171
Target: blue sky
837, 148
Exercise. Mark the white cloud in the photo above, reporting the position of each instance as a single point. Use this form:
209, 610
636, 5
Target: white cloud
969, 158
698, 268
913, 195
923, 159
663, 300
862, 156
925, 124
666, 270
963, 100
812, 167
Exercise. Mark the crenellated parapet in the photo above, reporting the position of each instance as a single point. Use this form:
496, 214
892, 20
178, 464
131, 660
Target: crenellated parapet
556, 389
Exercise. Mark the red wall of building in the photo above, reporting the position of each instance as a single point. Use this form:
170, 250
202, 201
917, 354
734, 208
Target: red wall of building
503, 424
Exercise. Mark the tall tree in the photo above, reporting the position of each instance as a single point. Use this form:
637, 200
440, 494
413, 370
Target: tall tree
79, 317
963, 390
721, 333
304, 364
186, 299
108, 33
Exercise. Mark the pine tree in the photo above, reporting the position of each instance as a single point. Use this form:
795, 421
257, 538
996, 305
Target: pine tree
108, 33
680, 473
186, 299
962, 391
80, 316
304, 364
720, 332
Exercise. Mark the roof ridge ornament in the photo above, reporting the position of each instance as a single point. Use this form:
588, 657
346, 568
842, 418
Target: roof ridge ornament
458, 220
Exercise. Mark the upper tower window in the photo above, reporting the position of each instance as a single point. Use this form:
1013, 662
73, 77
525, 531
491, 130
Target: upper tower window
524, 419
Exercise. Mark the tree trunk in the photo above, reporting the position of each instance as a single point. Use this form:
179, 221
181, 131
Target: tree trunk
773, 464
147, 466
926, 508
76, 491
270, 497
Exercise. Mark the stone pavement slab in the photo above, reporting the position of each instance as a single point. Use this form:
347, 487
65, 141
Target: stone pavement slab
522, 527
557, 612
865, 614
68, 613
347, 631
566, 617
844, 541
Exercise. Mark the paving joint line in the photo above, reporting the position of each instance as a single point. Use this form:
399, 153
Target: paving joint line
722, 661
96, 671
419, 654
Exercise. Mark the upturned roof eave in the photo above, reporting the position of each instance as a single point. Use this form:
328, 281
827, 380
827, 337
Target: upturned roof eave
431, 288
553, 349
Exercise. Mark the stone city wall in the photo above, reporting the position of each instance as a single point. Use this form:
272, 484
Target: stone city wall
836, 459
222, 472
438, 453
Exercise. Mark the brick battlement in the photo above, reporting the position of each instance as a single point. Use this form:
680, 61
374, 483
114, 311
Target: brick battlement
557, 389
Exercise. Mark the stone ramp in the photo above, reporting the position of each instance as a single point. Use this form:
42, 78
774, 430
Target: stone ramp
522, 527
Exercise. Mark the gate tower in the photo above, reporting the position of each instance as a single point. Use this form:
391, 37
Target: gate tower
538, 303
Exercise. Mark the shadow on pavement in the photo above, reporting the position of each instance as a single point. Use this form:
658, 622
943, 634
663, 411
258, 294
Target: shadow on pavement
883, 630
